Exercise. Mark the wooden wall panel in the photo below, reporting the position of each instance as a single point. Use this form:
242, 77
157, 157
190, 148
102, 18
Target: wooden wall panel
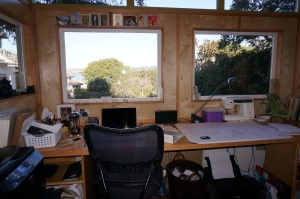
16, 10
20, 102
21, 12
177, 58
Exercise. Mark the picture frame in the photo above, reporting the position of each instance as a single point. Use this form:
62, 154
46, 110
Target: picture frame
64, 110
85, 19
95, 19
129, 21
104, 20
93, 120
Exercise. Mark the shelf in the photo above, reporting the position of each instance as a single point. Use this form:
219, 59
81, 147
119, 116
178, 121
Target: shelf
56, 179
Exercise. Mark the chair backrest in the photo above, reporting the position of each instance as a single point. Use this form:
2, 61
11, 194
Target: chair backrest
126, 161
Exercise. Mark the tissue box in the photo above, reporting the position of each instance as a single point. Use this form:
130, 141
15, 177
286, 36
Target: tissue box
212, 115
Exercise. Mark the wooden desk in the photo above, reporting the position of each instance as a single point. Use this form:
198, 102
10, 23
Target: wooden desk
281, 159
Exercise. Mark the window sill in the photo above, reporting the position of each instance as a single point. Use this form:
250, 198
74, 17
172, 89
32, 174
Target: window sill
16, 97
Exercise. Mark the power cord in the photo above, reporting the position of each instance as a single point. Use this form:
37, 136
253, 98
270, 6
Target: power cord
70, 142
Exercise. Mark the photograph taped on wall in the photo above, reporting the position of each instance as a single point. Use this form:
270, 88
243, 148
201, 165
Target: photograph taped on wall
93, 120
129, 21
75, 18
104, 18
85, 19
63, 20
64, 110
143, 20
95, 19
83, 112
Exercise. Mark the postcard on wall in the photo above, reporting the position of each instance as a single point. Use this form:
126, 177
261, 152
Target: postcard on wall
63, 20
93, 120
95, 19
117, 20
129, 21
104, 19
85, 19
64, 110
143, 20
152, 20
75, 18
83, 112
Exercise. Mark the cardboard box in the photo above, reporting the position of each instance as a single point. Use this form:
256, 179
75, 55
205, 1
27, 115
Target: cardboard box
212, 114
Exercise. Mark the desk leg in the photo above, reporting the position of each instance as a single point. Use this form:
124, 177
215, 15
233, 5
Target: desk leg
282, 161
88, 177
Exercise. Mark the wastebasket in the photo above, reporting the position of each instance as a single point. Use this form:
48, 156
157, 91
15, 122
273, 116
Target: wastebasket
185, 186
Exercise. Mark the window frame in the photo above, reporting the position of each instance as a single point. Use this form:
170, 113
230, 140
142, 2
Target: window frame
159, 33
219, 32
20, 50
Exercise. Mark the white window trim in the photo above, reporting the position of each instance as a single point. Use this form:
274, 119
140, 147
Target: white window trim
273, 61
109, 99
20, 50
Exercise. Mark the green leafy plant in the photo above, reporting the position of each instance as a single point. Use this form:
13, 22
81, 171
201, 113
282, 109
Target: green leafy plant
277, 105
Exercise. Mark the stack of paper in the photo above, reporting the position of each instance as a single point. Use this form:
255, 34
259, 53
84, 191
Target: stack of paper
4, 125
171, 134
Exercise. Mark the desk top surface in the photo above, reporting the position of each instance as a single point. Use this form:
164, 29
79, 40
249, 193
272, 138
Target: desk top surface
62, 149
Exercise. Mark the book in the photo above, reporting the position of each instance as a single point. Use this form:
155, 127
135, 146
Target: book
73, 172
117, 20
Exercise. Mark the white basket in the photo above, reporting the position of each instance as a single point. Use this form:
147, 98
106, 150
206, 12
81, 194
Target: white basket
47, 140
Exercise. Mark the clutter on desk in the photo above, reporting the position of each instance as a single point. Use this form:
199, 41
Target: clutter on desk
48, 117
40, 135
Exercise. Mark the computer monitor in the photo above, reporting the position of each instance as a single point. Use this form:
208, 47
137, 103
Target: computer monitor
121, 118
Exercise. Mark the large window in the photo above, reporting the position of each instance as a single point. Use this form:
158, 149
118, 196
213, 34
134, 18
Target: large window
247, 56
110, 65
11, 54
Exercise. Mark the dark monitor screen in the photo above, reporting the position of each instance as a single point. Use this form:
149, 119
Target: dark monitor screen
121, 118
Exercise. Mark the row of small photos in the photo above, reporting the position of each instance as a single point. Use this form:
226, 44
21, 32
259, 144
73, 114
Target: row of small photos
76, 18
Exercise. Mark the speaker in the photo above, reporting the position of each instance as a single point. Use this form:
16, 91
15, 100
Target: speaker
165, 116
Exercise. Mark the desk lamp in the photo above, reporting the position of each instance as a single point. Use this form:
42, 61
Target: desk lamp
198, 119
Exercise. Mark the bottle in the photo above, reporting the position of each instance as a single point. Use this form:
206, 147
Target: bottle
74, 123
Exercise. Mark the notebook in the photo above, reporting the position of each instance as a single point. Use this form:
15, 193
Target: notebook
121, 118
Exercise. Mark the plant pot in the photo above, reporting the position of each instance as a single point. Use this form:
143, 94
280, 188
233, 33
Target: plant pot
278, 119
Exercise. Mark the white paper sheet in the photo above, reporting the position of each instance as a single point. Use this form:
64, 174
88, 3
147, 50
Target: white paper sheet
221, 166
221, 132
287, 128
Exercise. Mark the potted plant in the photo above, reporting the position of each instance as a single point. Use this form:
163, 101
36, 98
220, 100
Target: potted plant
277, 107
5, 88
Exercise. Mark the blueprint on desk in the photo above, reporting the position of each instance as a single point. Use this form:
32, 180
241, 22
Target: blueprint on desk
220, 132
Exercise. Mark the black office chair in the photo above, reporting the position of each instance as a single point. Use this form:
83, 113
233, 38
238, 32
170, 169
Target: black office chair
126, 161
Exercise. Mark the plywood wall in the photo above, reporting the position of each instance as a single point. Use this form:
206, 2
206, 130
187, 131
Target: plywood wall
177, 61
177, 57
